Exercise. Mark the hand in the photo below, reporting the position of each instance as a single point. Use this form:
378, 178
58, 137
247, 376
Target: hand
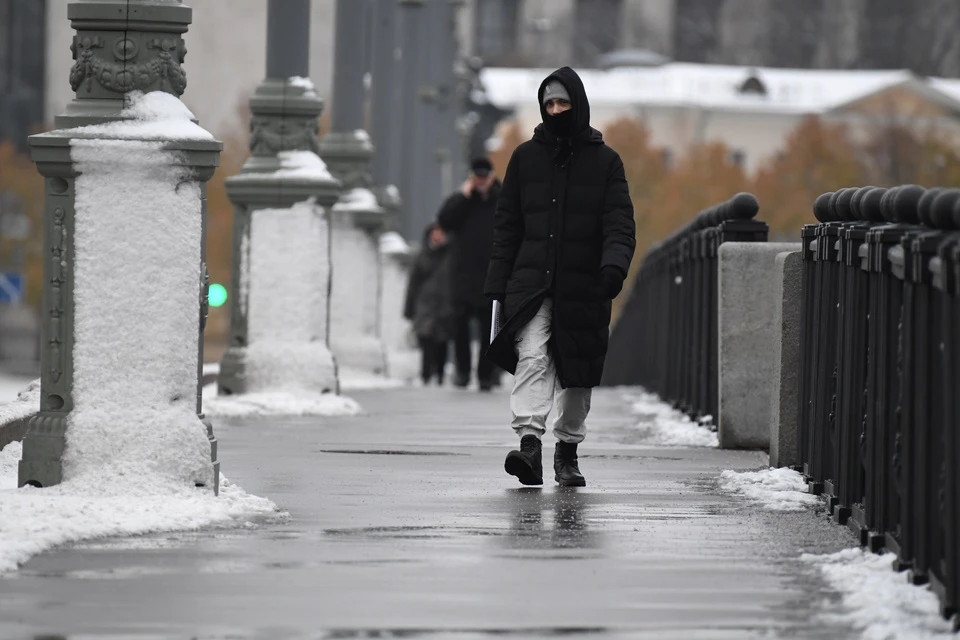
467, 188
499, 297
612, 281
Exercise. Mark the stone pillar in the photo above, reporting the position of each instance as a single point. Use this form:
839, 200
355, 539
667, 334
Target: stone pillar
358, 218
402, 354
124, 216
279, 333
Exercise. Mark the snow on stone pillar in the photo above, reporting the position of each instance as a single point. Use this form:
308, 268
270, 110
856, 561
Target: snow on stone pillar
279, 333
124, 279
403, 358
358, 218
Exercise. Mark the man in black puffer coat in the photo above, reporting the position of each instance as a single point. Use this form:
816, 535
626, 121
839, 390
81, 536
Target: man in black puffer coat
564, 236
468, 216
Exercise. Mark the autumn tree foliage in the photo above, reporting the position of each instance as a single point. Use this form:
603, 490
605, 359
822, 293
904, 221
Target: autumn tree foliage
816, 158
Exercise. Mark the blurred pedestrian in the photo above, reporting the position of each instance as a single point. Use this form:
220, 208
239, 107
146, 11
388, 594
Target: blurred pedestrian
564, 236
428, 303
468, 216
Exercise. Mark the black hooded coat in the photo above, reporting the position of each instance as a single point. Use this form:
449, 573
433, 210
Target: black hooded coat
564, 212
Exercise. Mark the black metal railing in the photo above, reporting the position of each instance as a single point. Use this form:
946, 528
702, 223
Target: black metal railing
666, 338
880, 373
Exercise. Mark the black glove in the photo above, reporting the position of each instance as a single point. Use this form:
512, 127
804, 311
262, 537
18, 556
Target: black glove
612, 281
496, 296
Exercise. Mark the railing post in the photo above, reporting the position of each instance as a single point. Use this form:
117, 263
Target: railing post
106, 363
357, 219
279, 332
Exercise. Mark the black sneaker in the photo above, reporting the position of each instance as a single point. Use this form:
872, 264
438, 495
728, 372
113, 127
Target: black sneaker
461, 380
526, 464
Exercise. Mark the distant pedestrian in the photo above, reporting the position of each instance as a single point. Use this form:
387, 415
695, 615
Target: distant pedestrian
428, 303
564, 237
468, 216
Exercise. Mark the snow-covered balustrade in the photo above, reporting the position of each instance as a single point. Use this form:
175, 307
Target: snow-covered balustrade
279, 330
358, 219
355, 295
124, 280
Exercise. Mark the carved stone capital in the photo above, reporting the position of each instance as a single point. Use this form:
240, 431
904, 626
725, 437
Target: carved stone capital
348, 156
284, 116
123, 46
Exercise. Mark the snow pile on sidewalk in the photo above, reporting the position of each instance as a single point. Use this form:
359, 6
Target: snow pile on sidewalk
273, 403
34, 520
26, 403
876, 600
663, 425
774, 489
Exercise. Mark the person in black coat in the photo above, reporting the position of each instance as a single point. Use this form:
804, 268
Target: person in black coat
468, 217
563, 240
428, 304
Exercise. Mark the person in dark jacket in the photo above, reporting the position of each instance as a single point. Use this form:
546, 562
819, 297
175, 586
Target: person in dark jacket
428, 304
468, 216
563, 239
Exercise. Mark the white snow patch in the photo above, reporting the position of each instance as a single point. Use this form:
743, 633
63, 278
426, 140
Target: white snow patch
876, 600
359, 199
299, 165
309, 89
665, 426
135, 366
393, 243
361, 135
353, 380
149, 116
34, 520
26, 403
775, 489
9, 463
293, 402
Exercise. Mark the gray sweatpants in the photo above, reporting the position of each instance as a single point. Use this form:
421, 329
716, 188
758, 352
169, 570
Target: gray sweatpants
536, 388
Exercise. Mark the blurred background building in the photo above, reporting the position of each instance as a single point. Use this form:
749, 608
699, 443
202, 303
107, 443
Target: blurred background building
23, 38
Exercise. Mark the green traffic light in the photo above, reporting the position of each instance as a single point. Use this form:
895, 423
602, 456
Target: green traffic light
217, 295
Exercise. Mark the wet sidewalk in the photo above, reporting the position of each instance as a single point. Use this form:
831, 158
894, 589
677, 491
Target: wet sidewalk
403, 525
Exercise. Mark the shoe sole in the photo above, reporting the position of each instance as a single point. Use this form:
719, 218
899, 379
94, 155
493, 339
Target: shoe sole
582, 482
516, 466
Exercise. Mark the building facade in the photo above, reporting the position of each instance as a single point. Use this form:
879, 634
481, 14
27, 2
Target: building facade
22, 64
542, 33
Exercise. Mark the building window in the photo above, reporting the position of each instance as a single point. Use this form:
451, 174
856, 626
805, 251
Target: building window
597, 28
496, 29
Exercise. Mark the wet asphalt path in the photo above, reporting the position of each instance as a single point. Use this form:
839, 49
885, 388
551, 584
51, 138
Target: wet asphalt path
403, 525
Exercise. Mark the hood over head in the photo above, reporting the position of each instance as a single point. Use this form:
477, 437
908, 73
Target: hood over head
578, 99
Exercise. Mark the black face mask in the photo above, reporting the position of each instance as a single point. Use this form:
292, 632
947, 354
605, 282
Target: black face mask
560, 125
